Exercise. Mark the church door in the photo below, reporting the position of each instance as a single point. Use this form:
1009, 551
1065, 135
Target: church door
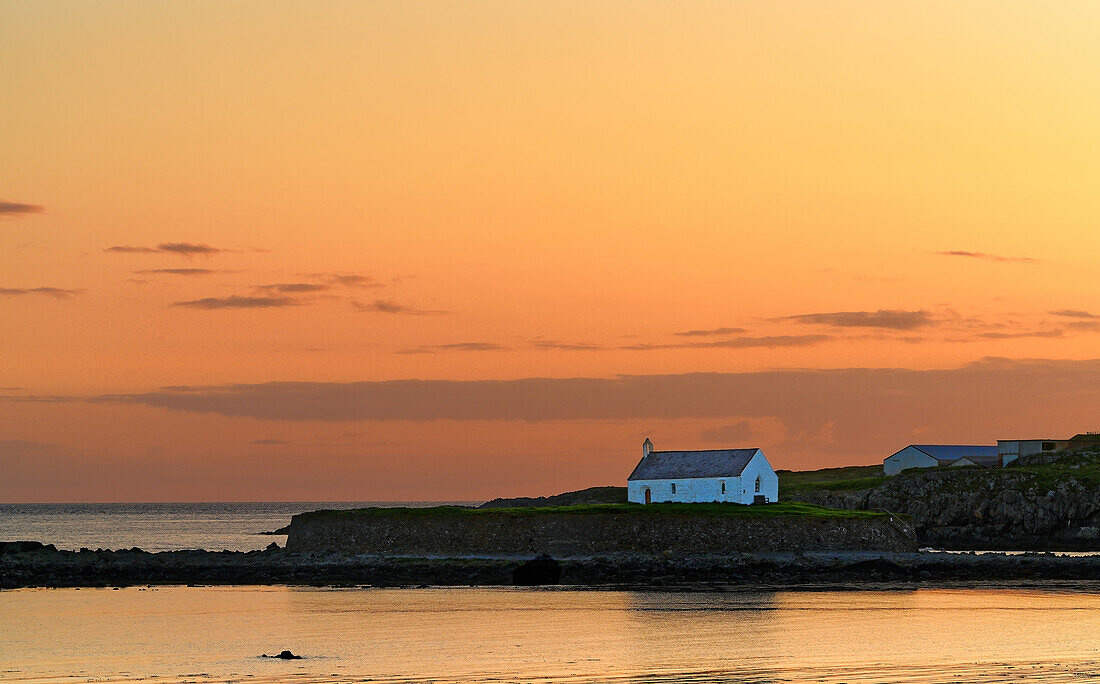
648, 497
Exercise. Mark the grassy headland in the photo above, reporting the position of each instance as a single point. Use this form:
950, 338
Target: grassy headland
781, 509
830, 479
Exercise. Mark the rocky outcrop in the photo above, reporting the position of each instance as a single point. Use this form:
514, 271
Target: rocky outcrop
457, 533
1045, 503
541, 570
24, 547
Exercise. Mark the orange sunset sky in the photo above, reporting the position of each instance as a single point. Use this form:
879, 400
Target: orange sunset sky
457, 250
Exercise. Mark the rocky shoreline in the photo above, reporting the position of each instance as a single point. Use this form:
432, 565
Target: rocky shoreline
28, 564
1042, 502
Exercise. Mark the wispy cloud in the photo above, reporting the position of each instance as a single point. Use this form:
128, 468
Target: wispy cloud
567, 346
712, 331
985, 256
891, 319
391, 307
1074, 313
455, 346
1084, 326
293, 288
351, 280
17, 208
237, 302
182, 271
187, 249
738, 343
1021, 334
127, 249
55, 292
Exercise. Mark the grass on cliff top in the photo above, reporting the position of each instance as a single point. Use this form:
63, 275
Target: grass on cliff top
1081, 467
830, 479
780, 509
1038, 475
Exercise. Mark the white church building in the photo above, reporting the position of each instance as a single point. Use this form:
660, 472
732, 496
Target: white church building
712, 475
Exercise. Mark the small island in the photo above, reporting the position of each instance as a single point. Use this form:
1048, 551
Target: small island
593, 529
850, 526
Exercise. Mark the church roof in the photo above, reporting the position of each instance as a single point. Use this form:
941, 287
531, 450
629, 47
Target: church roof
673, 465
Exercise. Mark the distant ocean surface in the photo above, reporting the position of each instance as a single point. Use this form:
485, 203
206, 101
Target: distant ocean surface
166, 526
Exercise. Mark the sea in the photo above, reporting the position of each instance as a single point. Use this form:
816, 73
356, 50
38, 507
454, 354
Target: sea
166, 526
1041, 632
465, 634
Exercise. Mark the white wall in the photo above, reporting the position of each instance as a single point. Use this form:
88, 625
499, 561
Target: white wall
909, 457
688, 490
769, 480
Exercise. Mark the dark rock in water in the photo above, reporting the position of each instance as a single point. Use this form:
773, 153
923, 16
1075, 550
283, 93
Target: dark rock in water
283, 655
272, 547
25, 547
541, 570
281, 530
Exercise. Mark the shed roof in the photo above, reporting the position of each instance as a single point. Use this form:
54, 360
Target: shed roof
671, 465
979, 454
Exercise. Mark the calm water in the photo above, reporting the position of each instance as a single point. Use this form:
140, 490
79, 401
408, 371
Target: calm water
201, 634
162, 526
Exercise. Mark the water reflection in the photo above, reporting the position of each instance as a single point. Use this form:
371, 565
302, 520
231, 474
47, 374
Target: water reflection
530, 635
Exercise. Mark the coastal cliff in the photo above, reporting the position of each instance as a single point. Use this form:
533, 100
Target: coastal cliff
1044, 502
659, 529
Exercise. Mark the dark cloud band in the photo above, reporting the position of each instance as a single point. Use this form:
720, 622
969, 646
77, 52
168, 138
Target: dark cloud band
891, 319
985, 256
812, 395
179, 248
55, 292
16, 208
237, 302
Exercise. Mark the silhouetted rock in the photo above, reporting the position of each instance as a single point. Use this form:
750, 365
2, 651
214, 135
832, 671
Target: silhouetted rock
272, 547
541, 570
25, 547
283, 655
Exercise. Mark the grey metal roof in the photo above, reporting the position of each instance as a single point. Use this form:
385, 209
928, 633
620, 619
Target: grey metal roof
983, 460
676, 465
953, 452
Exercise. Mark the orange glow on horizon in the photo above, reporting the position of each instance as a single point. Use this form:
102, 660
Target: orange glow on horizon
497, 191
